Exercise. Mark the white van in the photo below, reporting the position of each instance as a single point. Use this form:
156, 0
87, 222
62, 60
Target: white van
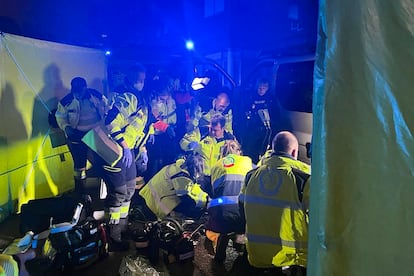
291, 84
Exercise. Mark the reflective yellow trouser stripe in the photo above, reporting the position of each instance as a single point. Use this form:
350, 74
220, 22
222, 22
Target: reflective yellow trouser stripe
113, 215
124, 209
79, 173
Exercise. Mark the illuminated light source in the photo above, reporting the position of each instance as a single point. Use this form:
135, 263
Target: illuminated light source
189, 45
107, 53
199, 83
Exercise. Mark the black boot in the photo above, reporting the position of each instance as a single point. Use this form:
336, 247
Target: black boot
80, 185
123, 224
115, 243
222, 242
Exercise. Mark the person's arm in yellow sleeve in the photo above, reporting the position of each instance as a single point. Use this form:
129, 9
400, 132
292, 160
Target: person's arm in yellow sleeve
185, 186
200, 197
189, 139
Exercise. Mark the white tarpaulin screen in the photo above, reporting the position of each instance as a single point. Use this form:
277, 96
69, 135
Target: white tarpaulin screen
362, 208
34, 76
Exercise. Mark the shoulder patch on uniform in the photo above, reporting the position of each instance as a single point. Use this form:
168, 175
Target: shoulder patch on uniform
228, 162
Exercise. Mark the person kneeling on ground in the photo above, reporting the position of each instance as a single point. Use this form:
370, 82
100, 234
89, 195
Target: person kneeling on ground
275, 200
175, 188
227, 177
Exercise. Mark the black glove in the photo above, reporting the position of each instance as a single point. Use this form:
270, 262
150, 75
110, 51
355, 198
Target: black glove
73, 134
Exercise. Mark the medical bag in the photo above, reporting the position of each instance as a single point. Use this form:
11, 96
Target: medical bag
78, 243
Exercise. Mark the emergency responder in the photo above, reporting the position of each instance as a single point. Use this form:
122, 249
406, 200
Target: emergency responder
77, 113
127, 123
259, 111
220, 105
175, 188
275, 200
208, 142
227, 177
163, 109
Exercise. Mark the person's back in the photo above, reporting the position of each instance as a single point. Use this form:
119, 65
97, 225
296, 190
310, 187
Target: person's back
275, 204
227, 178
174, 185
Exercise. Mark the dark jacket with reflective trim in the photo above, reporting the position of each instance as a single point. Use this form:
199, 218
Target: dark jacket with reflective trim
275, 204
68, 110
227, 178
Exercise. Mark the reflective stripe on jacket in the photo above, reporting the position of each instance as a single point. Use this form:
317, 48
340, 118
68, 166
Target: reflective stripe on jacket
162, 193
68, 109
276, 222
209, 147
227, 115
164, 111
127, 119
227, 177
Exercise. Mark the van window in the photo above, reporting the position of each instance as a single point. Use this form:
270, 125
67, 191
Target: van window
294, 86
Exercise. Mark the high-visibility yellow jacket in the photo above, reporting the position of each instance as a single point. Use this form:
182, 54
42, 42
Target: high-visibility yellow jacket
128, 120
164, 111
209, 147
228, 115
163, 192
201, 118
227, 178
294, 163
276, 213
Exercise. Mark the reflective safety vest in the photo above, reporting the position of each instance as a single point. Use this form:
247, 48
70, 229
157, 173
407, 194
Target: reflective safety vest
165, 111
227, 115
275, 204
209, 147
297, 164
227, 178
162, 193
127, 120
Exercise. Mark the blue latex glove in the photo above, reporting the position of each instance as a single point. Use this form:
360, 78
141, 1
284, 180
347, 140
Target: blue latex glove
151, 139
127, 157
144, 158
193, 145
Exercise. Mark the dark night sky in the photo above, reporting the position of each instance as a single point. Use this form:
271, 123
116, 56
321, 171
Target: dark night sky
159, 25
